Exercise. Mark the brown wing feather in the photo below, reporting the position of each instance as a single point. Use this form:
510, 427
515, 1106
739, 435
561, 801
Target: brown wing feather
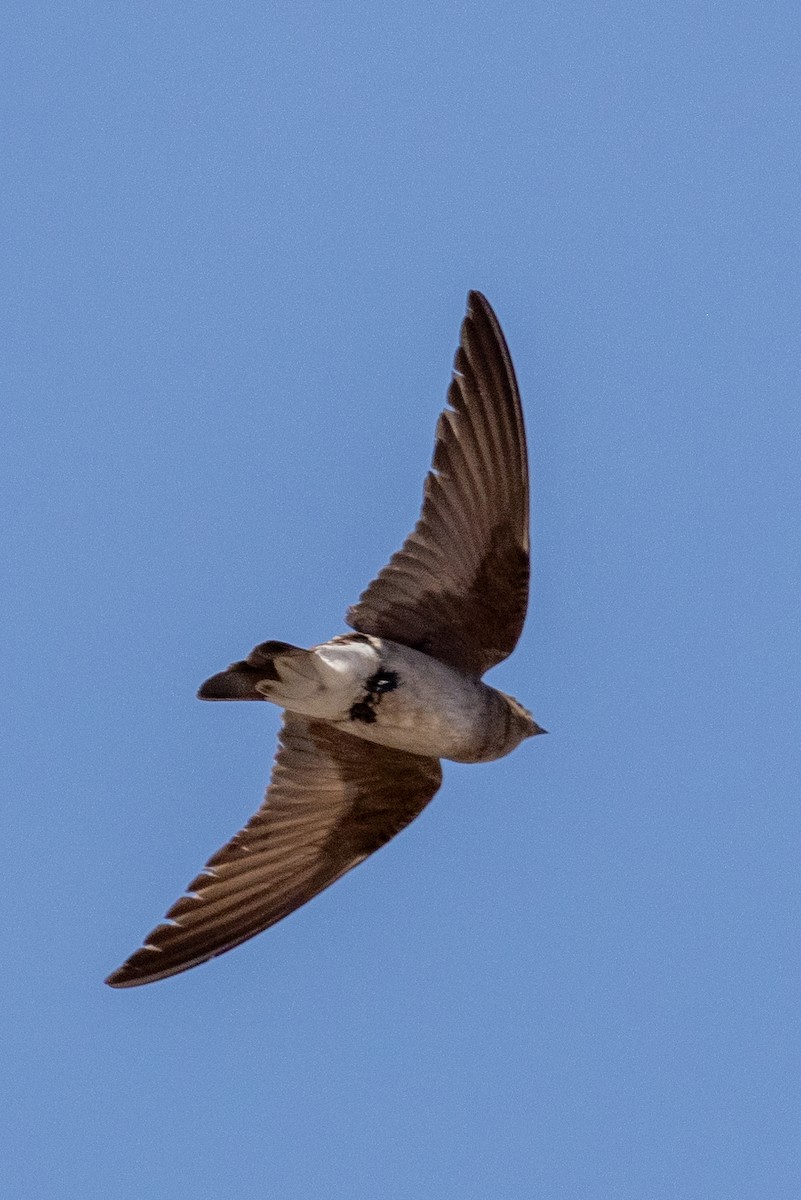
333, 800
458, 588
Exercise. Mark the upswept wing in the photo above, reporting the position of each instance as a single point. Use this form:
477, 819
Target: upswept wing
458, 588
333, 800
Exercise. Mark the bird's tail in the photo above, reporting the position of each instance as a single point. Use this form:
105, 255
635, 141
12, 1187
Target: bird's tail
273, 671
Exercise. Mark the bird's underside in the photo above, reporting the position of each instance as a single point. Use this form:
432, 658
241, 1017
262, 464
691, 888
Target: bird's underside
457, 592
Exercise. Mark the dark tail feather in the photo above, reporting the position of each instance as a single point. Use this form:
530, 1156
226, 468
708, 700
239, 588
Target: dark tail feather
239, 681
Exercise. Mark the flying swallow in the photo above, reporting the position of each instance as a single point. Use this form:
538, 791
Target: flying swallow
369, 714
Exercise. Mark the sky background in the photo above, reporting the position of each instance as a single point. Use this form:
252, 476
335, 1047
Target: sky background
237, 241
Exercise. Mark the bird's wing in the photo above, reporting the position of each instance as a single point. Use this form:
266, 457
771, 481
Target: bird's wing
333, 800
458, 588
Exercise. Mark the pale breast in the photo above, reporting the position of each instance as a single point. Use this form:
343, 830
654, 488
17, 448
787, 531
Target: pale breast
413, 702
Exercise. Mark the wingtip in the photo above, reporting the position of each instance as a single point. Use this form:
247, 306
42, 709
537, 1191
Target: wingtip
476, 299
479, 309
117, 979
130, 975
142, 967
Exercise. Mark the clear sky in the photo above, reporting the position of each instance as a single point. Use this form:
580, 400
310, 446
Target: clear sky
237, 241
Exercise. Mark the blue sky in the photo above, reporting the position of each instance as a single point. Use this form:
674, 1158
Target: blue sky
237, 242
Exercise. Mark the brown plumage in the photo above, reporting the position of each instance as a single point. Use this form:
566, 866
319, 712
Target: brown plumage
458, 587
368, 718
328, 807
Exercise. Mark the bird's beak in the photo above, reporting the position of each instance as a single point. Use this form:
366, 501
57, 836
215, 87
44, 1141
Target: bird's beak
535, 729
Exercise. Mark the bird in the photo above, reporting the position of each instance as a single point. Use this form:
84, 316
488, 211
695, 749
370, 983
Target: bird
368, 715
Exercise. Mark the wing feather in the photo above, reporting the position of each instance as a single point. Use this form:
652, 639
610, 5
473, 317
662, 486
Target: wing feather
458, 587
332, 801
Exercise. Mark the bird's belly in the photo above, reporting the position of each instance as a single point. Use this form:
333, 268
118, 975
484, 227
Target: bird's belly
418, 704
431, 732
